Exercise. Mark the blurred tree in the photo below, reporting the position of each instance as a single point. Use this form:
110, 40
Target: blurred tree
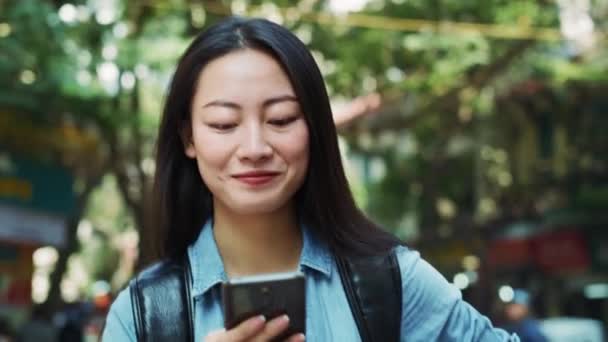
102, 66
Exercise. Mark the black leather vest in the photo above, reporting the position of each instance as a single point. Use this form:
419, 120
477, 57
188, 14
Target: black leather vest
162, 305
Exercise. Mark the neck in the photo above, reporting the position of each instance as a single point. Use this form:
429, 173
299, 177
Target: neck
260, 243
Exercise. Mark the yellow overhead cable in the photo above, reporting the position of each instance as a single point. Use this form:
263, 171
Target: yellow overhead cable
519, 30
445, 27
515, 31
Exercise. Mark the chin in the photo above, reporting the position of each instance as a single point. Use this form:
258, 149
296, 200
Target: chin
259, 204
255, 208
263, 203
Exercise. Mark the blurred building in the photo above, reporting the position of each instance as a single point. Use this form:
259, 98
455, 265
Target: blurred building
534, 210
36, 201
559, 150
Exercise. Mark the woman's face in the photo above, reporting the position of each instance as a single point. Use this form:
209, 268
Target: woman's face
249, 135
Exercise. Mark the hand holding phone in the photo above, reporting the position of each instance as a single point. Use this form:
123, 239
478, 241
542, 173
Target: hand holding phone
255, 329
269, 295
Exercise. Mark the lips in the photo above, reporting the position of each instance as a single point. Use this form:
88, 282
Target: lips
256, 178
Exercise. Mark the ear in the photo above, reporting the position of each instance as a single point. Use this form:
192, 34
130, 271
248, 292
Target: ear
189, 150
186, 137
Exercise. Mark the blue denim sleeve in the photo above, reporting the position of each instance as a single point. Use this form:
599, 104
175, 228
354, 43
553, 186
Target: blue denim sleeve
119, 323
433, 309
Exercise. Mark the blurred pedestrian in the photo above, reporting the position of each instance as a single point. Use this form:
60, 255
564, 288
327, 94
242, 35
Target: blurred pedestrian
72, 319
519, 319
249, 180
6, 332
39, 327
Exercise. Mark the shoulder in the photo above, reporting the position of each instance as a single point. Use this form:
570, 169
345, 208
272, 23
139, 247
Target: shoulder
119, 322
433, 309
159, 269
415, 270
426, 291
427, 295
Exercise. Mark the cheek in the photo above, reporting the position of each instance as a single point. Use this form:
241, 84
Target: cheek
295, 148
212, 151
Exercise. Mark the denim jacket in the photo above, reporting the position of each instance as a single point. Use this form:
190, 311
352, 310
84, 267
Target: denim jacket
432, 308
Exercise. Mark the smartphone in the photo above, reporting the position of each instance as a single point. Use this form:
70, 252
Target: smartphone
270, 295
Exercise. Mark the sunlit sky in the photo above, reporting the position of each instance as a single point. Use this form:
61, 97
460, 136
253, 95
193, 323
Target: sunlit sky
342, 6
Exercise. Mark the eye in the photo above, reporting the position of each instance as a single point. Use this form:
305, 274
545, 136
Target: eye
222, 126
283, 121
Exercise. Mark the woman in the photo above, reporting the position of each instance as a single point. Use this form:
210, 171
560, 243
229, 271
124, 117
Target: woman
250, 181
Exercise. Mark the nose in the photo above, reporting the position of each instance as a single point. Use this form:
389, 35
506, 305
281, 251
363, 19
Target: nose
254, 145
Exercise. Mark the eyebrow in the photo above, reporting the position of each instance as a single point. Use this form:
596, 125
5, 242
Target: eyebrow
267, 103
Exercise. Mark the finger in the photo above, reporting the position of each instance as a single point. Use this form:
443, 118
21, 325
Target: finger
215, 336
245, 330
273, 328
296, 338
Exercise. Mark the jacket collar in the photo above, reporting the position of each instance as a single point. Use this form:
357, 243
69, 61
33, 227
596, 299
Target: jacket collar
208, 267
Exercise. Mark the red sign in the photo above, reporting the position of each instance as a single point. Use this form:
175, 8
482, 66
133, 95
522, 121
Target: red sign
19, 292
509, 253
564, 251
16, 269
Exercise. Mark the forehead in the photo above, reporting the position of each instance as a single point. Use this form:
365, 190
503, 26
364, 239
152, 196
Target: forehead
243, 74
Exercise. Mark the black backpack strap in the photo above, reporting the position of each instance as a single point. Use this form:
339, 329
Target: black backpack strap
373, 288
162, 306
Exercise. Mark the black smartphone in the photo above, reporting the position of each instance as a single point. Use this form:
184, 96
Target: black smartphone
270, 295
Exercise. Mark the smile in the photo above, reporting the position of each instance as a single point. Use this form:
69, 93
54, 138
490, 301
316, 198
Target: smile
256, 178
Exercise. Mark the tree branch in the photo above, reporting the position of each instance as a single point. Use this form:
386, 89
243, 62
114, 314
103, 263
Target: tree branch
137, 145
91, 182
449, 100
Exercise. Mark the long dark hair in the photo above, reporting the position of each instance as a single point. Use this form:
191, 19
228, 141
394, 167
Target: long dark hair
324, 202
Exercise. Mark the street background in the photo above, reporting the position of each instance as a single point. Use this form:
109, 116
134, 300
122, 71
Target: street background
480, 139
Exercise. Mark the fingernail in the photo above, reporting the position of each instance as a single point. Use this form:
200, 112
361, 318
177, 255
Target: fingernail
258, 321
301, 337
285, 318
